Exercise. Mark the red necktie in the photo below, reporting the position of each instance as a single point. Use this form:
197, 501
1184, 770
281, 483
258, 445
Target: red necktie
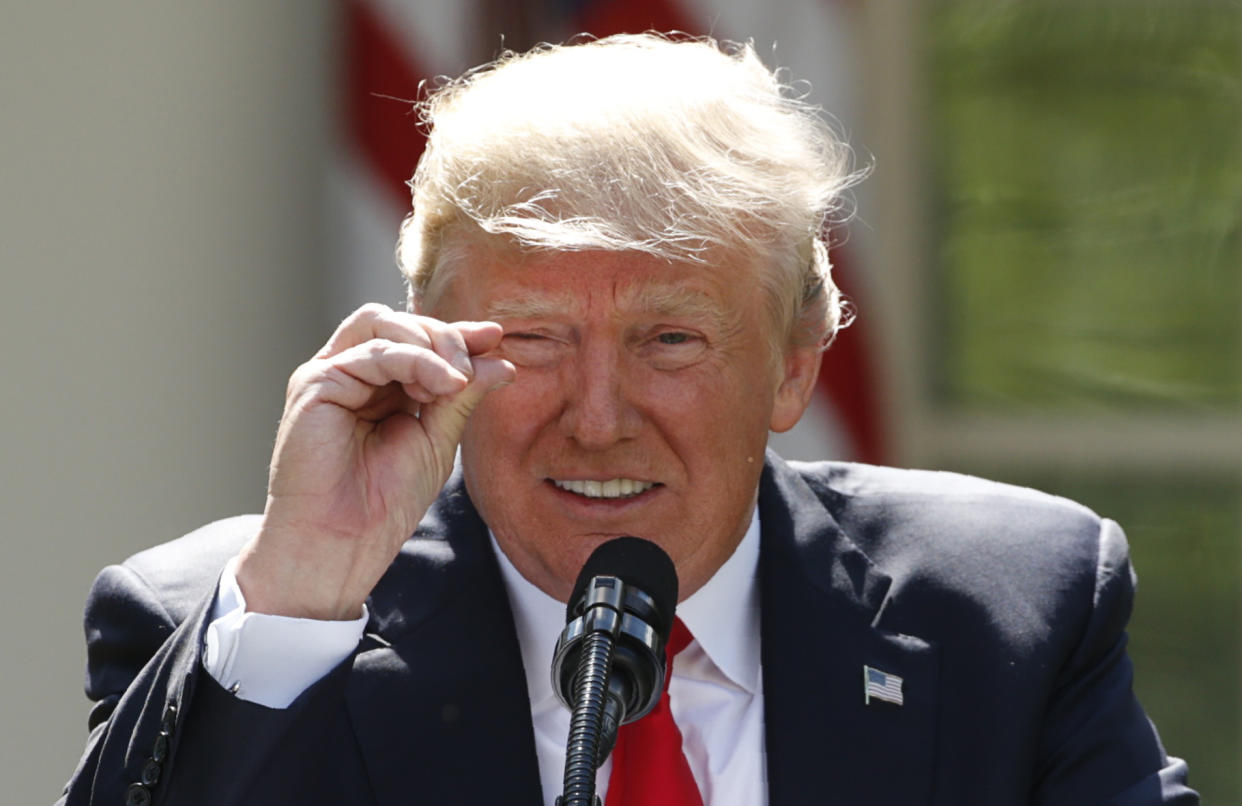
648, 765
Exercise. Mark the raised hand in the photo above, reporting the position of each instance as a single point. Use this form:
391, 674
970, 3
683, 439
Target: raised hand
367, 439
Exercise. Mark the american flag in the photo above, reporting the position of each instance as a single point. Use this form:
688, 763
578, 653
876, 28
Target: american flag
881, 686
389, 46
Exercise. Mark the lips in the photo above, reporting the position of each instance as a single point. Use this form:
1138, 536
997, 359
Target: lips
611, 489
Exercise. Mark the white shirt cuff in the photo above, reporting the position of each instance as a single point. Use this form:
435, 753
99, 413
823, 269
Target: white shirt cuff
271, 660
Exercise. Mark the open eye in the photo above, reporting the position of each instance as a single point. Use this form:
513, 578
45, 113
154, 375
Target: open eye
674, 349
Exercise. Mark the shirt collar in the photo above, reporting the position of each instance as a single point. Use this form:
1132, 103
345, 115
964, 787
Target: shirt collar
723, 617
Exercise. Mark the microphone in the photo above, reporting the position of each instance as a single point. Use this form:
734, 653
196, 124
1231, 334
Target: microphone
608, 668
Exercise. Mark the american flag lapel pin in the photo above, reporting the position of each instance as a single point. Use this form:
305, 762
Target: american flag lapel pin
881, 686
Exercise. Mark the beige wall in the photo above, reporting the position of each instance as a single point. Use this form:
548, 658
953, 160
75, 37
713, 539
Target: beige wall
160, 166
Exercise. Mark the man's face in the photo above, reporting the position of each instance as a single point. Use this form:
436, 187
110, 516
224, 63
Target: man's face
642, 403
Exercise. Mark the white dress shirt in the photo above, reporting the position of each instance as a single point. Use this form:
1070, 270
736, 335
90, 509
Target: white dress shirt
716, 692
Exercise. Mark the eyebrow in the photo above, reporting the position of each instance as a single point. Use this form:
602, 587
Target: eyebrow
528, 306
676, 300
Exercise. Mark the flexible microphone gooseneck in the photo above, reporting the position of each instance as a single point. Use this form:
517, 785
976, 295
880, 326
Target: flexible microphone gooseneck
609, 663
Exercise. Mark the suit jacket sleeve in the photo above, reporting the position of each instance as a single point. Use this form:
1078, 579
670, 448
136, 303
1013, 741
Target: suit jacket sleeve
163, 731
1096, 735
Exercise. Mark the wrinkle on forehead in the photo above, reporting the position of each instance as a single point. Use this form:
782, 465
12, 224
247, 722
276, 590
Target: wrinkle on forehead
658, 299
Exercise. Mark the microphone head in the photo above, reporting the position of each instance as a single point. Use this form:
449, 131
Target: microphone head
636, 562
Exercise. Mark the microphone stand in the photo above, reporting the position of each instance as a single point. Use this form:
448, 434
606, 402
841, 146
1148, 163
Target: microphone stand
603, 700
582, 750
608, 668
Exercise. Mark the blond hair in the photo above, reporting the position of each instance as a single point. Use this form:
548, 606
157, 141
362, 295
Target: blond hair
678, 147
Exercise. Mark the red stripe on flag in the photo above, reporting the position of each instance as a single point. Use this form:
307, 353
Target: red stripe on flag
633, 17
381, 80
847, 379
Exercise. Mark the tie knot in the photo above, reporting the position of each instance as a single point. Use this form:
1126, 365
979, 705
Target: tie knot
678, 638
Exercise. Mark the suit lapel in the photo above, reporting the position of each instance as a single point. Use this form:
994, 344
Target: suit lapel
438, 694
822, 604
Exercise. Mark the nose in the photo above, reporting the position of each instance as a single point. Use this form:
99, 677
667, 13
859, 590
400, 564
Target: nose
599, 412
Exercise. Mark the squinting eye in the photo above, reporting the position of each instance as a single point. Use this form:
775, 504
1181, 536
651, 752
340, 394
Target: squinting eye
674, 338
530, 349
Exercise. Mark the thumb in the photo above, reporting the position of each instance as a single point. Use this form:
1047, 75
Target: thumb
445, 419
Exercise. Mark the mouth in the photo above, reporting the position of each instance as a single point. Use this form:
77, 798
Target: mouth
613, 489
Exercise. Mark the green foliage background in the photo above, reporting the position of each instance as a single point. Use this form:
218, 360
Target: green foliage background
1088, 202
1086, 198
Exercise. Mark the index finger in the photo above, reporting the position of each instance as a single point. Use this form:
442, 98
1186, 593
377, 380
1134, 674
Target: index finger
375, 321
480, 337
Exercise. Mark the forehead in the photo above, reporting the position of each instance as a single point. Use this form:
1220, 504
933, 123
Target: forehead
580, 282
648, 296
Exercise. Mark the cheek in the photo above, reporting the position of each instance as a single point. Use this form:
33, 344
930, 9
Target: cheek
493, 447
737, 403
508, 419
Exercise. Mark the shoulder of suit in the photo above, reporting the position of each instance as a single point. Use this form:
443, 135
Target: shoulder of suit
950, 517
209, 545
969, 554
864, 484
183, 571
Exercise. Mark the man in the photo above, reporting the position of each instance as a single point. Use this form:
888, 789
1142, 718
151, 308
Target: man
618, 287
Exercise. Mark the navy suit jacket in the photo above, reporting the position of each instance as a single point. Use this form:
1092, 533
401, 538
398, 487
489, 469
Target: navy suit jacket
1003, 610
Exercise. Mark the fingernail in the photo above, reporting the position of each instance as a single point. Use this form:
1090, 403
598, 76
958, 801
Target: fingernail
462, 362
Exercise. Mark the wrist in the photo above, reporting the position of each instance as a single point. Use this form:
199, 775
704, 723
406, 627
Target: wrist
283, 585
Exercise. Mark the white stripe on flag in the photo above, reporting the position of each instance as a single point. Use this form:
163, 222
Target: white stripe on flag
882, 686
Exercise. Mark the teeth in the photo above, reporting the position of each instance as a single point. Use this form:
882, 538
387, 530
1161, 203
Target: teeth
613, 488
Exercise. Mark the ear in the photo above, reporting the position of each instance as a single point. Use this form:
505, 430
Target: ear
801, 368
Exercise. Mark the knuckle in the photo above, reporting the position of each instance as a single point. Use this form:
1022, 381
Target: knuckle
308, 378
300, 377
455, 337
377, 349
371, 312
433, 325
